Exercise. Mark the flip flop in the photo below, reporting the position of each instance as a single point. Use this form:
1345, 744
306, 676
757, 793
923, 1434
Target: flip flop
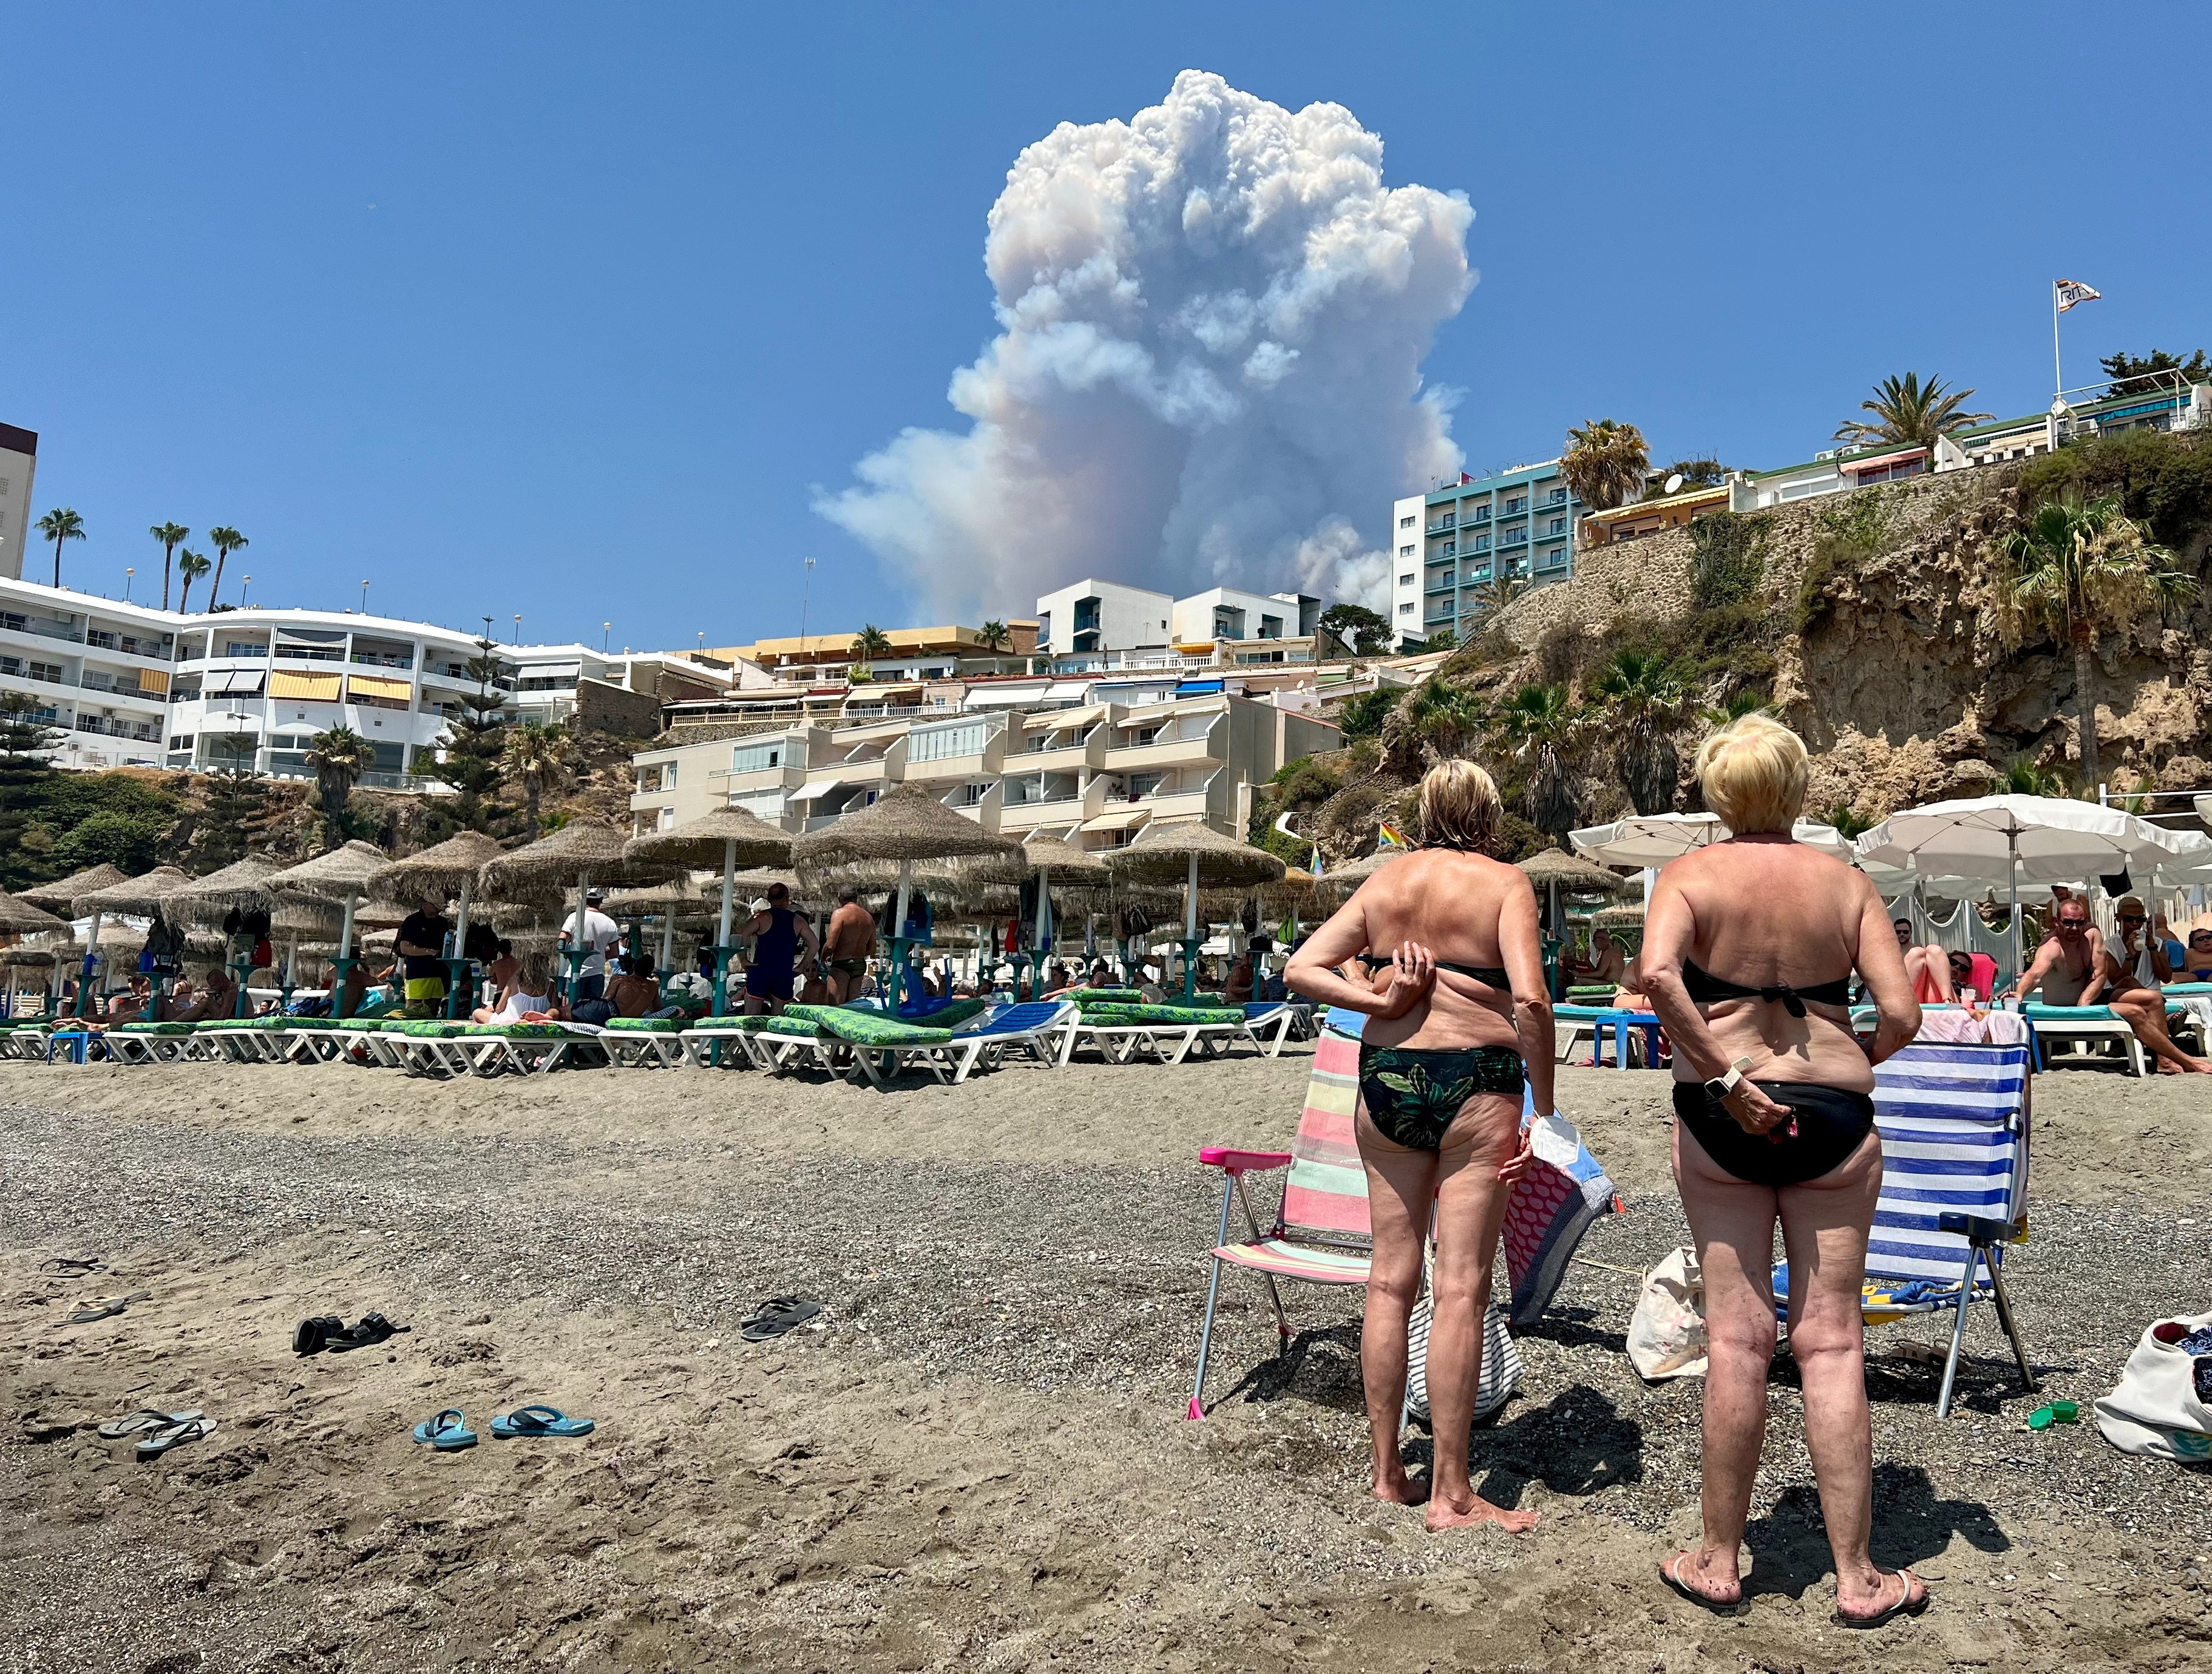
777, 1315
146, 1418
72, 1267
1669, 1572
1908, 1605
538, 1421
447, 1431
370, 1329
175, 1435
106, 1308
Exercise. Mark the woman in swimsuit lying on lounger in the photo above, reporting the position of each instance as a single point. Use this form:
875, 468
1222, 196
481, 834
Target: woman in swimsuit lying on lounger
1748, 950
1458, 1014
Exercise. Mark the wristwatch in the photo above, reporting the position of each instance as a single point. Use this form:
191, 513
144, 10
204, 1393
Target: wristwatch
1720, 1088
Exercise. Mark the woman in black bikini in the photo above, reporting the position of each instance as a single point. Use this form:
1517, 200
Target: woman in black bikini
1748, 950
1441, 1062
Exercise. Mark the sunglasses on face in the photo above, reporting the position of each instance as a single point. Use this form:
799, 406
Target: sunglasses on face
2128, 918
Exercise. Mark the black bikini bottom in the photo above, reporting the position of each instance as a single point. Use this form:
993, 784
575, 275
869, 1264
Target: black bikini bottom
1832, 1123
1412, 1093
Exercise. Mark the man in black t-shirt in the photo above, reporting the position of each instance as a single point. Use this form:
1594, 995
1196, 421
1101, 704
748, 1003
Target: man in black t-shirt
420, 944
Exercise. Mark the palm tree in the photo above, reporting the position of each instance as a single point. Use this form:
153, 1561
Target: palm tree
1604, 463
1744, 701
339, 756
1503, 586
63, 523
1436, 721
2022, 778
869, 643
1544, 728
171, 536
1909, 414
538, 754
191, 566
2081, 568
994, 636
226, 541
1646, 696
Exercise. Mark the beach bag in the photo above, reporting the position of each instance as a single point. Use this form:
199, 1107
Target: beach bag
1667, 1333
1550, 1209
1501, 1361
2156, 1408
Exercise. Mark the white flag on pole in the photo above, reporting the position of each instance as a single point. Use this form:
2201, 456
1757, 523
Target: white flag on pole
2071, 291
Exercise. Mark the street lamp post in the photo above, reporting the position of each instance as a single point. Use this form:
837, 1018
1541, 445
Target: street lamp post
244, 583
606, 634
128, 572
364, 595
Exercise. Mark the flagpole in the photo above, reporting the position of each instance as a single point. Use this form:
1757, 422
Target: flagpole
2057, 375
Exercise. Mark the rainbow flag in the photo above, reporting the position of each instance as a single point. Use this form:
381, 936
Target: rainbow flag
1389, 837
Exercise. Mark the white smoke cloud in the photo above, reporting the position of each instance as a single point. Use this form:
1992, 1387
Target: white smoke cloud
1211, 323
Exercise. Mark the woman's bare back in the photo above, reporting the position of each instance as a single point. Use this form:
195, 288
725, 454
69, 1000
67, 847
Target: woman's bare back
1452, 904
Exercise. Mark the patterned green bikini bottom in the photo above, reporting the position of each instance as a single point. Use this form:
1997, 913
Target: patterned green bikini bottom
1412, 1093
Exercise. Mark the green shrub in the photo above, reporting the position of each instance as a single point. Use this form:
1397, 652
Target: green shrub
1363, 713
2162, 479
1728, 557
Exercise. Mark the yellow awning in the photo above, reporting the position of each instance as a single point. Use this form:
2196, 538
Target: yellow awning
321, 687
153, 680
375, 685
1119, 816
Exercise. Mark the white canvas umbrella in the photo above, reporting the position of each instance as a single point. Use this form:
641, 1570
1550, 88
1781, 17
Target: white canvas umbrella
2010, 839
1647, 840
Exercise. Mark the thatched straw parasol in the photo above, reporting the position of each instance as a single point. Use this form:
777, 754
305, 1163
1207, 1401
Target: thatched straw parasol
241, 884
19, 917
680, 895
1202, 857
728, 838
443, 871
906, 824
61, 895
30, 959
342, 875
1353, 873
139, 897
582, 850
1553, 870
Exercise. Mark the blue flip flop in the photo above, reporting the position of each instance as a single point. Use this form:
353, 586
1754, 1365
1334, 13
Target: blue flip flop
446, 1431
538, 1421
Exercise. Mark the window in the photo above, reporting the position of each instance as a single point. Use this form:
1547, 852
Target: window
244, 648
667, 819
1406, 579
1405, 552
762, 805
1518, 503
1405, 610
1557, 526
1405, 522
944, 743
668, 775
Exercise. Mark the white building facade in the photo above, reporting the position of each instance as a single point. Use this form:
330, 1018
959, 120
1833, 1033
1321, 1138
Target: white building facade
19, 463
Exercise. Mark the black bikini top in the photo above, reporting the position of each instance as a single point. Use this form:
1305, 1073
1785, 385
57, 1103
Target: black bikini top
1495, 975
1706, 989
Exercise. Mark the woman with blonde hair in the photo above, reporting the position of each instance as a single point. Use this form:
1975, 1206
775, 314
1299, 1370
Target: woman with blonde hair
1748, 950
1458, 1021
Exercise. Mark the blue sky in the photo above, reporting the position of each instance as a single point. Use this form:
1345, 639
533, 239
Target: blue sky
567, 311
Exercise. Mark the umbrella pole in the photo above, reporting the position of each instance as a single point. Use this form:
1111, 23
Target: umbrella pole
898, 933
460, 971
91, 953
1044, 931
667, 951
1190, 931
345, 961
2012, 844
722, 935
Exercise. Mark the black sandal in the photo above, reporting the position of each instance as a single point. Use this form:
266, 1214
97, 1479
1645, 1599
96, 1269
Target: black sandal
372, 1329
309, 1336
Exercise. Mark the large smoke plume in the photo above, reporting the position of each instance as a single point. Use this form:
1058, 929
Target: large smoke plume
1211, 323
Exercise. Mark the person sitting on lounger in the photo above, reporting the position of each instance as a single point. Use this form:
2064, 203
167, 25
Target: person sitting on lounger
1238, 988
131, 1007
2196, 956
634, 993
2074, 968
532, 994
1929, 965
217, 998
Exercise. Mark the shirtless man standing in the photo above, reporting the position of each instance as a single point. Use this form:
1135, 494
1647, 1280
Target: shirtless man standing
852, 940
2074, 967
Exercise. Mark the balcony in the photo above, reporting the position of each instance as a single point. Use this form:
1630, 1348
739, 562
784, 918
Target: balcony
379, 660
1554, 559
1512, 538
1443, 584
108, 727
46, 628
1162, 753
1443, 528
1480, 514
1556, 497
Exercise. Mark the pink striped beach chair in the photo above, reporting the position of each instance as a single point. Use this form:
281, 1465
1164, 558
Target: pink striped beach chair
1322, 1234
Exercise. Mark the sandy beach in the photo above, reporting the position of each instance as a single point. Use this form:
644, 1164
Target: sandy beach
977, 1457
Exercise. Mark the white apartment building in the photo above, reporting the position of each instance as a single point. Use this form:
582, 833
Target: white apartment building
19, 463
1094, 775
1093, 625
1449, 545
133, 685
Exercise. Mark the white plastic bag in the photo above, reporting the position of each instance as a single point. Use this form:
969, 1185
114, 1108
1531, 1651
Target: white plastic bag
2154, 1408
1667, 1333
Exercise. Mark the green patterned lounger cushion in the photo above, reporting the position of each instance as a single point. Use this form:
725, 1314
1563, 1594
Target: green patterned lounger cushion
170, 1029
427, 1029
1103, 996
748, 1025
1123, 1016
646, 1025
870, 1029
242, 1022
512, 1031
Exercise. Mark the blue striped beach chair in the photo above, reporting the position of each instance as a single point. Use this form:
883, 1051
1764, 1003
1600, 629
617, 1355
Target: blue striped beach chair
1955, 1143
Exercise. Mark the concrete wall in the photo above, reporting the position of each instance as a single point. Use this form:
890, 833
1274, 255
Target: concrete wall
601, 707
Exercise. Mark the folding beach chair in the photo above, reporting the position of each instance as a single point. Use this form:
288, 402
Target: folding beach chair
1954, 1139
643, 1043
